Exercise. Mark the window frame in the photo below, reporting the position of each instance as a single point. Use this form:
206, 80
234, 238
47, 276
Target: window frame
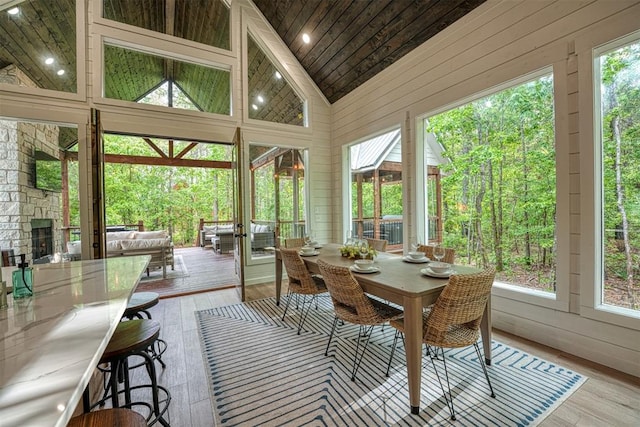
592, 196
561, 298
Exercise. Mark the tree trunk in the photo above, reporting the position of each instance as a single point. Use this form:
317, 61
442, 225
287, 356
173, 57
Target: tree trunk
615, 127
525, 196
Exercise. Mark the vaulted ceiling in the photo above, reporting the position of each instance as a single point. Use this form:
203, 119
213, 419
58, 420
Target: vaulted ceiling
350, 42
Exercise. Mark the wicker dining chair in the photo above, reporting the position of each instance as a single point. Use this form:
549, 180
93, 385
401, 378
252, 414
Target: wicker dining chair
379, 245
453, 321
301, 282
352, 305
294, 242
449, 253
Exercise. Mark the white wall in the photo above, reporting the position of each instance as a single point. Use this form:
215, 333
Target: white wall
498, 42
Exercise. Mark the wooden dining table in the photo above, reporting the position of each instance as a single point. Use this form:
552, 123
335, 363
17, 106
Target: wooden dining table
402, 283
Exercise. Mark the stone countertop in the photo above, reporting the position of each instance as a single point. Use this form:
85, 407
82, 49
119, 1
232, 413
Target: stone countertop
50, 343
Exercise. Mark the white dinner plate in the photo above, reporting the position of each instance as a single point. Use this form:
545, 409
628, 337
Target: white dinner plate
415, 261
427, 272
317, 246
314, 253
355, 269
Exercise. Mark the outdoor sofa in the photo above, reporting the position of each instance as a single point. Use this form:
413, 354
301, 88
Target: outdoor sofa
221, 237
158, 244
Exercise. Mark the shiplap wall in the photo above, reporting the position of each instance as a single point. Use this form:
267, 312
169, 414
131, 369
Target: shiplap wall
498, 42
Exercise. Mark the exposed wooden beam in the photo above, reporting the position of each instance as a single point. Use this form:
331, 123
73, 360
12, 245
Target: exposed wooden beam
165, 161
155, 147
186, 150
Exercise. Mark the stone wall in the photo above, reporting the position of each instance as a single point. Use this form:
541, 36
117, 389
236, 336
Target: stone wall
20, 201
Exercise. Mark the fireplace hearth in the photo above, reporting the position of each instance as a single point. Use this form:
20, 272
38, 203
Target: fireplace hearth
41, 238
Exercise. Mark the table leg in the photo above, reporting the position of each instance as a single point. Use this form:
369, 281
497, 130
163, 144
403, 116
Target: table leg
485, 331
413, 347
278, 277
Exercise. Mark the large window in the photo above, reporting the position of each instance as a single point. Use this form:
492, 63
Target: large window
38, 44
271, 97
135, 76
499, 183
618, 80
376, 189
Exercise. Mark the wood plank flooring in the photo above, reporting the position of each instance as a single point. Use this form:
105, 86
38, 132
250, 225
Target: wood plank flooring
608, 398
205, 271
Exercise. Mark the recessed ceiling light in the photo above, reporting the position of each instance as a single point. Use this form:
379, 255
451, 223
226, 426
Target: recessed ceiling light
48, 61
306, 38
254, 106
278, 75
13, 11
60, 72
260, 99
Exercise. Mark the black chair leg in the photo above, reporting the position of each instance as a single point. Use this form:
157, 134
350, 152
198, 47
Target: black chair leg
393, 350
365, 331
333, 328
446, 393
287, 306
484, 368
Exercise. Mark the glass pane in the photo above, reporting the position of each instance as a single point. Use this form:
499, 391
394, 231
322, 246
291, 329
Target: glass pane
499, 182
620, 124
204, 21
40, 193
277, 196
376, 188
139, 77
38, 44
271, 98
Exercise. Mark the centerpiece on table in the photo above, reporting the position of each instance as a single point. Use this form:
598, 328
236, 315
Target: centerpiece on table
352, 251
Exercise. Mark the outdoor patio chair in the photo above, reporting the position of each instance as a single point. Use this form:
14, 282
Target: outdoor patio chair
379, 245
454, 322
352, 305
301, 282
294, 242
226, 242
449, 254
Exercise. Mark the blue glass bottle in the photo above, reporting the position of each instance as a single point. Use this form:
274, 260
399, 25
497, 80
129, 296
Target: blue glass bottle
22, 279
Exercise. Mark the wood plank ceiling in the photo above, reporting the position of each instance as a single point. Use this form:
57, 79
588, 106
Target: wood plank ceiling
353, 40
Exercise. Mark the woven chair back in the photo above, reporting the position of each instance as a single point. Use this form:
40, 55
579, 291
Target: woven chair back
459, 306
449, 254
347, 294
379, 245
294, 242
296, 269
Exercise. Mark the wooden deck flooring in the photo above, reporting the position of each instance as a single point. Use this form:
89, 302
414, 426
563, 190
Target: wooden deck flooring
202, 270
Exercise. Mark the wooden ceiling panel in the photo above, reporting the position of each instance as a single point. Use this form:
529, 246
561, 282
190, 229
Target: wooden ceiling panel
353, 40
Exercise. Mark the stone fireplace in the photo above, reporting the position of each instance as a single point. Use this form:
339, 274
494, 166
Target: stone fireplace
22, 206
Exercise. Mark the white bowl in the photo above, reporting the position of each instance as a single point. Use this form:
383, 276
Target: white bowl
307, 249
439, 267
416, 255
364, 264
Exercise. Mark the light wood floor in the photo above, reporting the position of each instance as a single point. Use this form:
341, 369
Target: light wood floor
608, 398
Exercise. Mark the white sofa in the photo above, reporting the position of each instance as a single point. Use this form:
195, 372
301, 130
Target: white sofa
158, 244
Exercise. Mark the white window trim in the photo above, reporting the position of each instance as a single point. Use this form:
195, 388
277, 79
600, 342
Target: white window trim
560, 299
591, 196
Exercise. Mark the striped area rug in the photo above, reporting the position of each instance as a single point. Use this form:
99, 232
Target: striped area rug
263, 374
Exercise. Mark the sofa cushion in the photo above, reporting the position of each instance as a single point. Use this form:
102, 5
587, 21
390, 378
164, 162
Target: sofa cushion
119, 235
210, 229
226, 228
114, 246
151, 234
144, 243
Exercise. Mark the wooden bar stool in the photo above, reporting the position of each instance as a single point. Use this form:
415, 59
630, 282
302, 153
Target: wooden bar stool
114, 417
139, 304
134, 338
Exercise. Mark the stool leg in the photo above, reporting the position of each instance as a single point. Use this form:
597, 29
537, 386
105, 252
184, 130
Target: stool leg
151, 370
113, 379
